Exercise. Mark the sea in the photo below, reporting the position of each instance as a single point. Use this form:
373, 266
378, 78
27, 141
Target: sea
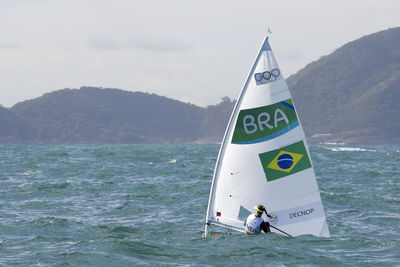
145, 205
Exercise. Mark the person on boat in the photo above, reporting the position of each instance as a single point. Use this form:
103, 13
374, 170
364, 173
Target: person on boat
255, 224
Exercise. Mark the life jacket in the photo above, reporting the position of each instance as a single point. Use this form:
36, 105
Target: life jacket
252, 226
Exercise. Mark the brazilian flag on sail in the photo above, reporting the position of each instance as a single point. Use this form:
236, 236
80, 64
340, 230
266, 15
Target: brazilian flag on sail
285, 161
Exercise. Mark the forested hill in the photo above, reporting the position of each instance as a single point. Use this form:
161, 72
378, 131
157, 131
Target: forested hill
353, 93
94, 115
348, 96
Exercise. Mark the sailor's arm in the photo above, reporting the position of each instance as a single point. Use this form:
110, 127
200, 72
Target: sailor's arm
265, 227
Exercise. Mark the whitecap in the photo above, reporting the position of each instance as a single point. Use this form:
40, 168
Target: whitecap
31, 172
333, 143
348, 149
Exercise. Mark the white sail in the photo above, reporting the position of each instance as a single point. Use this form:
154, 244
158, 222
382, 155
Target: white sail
264, 159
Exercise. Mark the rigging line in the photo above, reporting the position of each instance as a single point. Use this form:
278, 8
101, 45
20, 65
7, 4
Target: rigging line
280, 230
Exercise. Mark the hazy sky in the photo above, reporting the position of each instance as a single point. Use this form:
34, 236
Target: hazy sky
194, 51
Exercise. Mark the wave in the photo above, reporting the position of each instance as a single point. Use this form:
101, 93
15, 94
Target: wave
349, 149
31, 172
46, 186
333, 143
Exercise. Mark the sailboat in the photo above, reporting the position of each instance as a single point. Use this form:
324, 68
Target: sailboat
264, 159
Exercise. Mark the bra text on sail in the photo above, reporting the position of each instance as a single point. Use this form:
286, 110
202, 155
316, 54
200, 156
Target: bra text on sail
264, 123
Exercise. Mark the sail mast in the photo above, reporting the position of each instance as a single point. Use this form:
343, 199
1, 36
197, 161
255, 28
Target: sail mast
264, 46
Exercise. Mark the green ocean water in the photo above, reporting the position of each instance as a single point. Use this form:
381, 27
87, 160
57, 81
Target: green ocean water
145, 205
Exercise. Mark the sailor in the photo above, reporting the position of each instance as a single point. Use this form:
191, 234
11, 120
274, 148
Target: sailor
255, 224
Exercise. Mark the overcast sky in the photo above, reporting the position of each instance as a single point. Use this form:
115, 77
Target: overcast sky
193, 51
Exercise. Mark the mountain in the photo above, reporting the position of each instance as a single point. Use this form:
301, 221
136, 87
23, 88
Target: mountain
12, 130
348, 96
352, 95
94, 115
8, 127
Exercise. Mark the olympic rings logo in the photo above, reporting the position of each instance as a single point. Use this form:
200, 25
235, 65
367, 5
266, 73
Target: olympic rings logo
267, 76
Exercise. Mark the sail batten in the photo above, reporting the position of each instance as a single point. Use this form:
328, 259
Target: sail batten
264, 158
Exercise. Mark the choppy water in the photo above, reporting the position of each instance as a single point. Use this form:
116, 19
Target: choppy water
139, 205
